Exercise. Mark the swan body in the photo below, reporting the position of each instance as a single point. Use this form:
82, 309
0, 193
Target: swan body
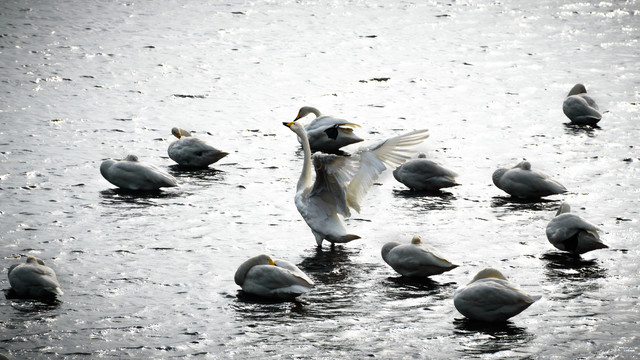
131, 174
580, 108
415, 259
326, 133
342, 181
33, 279
263, 276
522, 182
192, 152
490, 297
424, 175
569, 232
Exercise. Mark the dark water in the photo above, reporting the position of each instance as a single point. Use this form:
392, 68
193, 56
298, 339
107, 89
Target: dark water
151, 276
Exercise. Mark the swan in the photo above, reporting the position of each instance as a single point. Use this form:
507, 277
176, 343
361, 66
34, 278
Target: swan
424, 175
266, 277
32, 279
491, 297
192, 152
326, 133
580, 108
130, 174
522, 182
342, 181
569, 232
415, 259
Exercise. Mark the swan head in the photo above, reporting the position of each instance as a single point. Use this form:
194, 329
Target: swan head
416, 240
34, 260
294, 126
488, 273
176, 132
577, 89
131, 157
422, 156
564, 208
306, 110
524, 165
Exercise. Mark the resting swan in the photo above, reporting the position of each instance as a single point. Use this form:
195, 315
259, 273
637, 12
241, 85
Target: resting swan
524, 183
342, 181
263, 276
415, 259
491, 297
326, 133
569, 232
422, 174
32, 279
580, 108
130, 174
192, 152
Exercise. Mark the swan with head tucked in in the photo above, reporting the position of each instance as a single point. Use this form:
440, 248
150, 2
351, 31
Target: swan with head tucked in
569, 232
580, 108
326, 133
341, 182
524, 183
422, 174
491, 297
415, 259
33, 279
192, 152
131, 174
271, 278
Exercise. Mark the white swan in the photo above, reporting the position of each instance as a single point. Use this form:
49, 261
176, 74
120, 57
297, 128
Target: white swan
342, 181
415, 259
569, 232
522, 182
326, 133
580, 108
192, 152
424, 175
32, 279
263, 276
491, 297
130, 174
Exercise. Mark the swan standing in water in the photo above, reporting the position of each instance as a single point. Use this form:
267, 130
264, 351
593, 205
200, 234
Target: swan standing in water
32, 279
491, 297
342, 181
263, 276
580, 108
569, 232
130, 174
422, 174
326, 133
192, 152
415, 259
524, 183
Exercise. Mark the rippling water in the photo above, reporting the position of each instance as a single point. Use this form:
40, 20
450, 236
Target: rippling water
151, 276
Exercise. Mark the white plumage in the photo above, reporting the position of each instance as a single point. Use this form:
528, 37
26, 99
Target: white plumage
569, 232
342, 181
491, 297
265, 277
415, 259
326, 133
580, 108
32, 279
424, 175
192, 152
131, 174
522, 182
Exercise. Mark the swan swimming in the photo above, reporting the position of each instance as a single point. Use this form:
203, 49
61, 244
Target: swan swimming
415, 259
192, 152
131, 174
422, 174
569, 232
326, 133
341, 182
524, 183
580, 108
33, 279
266, 277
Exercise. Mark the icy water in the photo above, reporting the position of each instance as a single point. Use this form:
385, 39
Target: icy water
151, 276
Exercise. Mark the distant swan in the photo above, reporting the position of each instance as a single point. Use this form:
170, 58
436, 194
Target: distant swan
569, 232
415, 259
266, 277
424, 175
326, 133
192, 152
342, 181
522, 182
130, 174
580, 108
491, 297
32, 279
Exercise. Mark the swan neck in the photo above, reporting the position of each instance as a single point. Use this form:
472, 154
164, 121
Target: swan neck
305, 177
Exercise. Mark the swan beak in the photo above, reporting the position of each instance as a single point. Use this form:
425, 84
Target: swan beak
178, 135
288, 124
271, 262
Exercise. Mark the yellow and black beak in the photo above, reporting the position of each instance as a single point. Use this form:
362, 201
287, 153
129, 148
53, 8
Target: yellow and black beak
288, 124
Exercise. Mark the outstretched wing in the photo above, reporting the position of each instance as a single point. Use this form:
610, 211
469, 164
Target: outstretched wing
333, 173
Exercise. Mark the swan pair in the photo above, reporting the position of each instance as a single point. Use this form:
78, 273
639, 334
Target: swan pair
33, 279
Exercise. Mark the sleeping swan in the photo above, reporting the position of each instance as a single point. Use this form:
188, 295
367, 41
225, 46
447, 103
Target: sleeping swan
569, 232
130, 174
415, 259
580, 108
266, 277
422, 174
192, 152
524, 183
32, 279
